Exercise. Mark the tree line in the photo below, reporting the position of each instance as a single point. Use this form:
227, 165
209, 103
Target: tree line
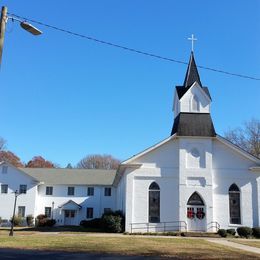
93, 161
247, 137
12, 158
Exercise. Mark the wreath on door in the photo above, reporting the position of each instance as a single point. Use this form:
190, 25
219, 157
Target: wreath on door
200, 214
190, 214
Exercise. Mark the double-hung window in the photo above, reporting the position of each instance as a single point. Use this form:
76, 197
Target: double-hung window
107, 210
4, 188
49, 190
23, 188
48, 212
21, 211
71, 191
90, 191
90, 212
4, 169
107, 191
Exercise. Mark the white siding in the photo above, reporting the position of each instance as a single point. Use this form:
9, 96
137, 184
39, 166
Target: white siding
98, 202
185, 103
14, 178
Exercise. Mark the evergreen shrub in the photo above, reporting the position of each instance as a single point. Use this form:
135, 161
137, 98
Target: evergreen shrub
112, 224
244, 231
222, 232
29, 220
93, 223
256, 232
231, 231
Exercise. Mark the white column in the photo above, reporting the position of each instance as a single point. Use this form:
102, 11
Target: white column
129, 197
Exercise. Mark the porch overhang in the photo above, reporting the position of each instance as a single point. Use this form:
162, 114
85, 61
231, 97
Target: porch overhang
70, 205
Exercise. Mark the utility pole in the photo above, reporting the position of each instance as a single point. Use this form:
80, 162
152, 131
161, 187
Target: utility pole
2, 30
16, 194
26, 26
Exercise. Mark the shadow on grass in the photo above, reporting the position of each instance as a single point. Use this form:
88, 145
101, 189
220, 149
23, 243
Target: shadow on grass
27, 254
54, 229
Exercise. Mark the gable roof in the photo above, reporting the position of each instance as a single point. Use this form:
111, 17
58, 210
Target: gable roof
193, 124
71, 176
149, 149
72, 202
19, 169
238, 149
181, 91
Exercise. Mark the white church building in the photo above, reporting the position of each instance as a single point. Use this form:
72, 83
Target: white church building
194, 180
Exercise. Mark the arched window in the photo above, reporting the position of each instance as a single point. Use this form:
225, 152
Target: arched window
195, 104
195, 200
154, 203
234, 204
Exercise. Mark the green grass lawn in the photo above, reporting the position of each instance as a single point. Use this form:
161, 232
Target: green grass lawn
121, 245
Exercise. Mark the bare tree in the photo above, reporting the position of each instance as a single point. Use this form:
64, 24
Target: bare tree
246, 137
98, 161
2, 144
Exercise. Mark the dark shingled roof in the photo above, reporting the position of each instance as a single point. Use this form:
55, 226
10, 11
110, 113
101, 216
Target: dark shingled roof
192, 73
193, 124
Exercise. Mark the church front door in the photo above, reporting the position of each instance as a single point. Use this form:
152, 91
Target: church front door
196, 219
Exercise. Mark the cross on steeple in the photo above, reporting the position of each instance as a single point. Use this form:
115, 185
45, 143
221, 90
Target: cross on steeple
192, 39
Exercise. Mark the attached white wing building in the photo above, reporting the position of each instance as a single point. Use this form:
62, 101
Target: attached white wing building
67, 195
193, 180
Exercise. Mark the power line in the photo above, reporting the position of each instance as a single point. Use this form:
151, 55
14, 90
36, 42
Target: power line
131, 49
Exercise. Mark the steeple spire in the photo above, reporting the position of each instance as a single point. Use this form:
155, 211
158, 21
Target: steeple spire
192, 73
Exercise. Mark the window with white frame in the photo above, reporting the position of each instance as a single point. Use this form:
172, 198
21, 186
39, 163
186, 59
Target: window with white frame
21, 211
107, 191
107, 210
234, 204
90, 191
90, 212
49, 190
71, 191
154, 203
4, 188
47, 212
23, 188
4, 169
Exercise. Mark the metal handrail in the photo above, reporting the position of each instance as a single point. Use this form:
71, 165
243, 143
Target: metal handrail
164, 226
214, 224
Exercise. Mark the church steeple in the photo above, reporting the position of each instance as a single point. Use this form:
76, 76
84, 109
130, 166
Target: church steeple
192, 73
192, 106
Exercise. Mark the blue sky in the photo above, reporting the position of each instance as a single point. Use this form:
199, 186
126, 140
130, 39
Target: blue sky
64, 97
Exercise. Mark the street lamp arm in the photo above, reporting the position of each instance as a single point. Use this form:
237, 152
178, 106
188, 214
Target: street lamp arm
26, 26
3, 20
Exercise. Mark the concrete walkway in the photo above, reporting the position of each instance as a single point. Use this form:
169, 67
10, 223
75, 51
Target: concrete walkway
225, 242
